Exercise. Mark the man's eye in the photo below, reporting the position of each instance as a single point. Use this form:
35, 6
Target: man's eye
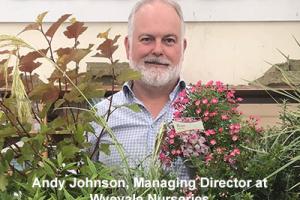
146, 40
170, 41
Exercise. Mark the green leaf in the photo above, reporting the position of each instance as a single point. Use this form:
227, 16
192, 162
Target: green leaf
70, 166
9, 155
3, 182
79, 134
1, 114
67, 195
91, 166
47, 160
38, 195
69, 151
27, 153
57, 123
48, 169
58, 103
25, 139
133, 107
1, 143
7, 131
128, 74
105, 148
45, 110
45, 129
60, 159
89, 89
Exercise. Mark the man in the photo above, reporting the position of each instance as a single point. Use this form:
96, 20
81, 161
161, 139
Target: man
154, 46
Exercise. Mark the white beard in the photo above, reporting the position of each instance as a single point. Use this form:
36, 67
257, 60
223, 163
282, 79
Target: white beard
157, 76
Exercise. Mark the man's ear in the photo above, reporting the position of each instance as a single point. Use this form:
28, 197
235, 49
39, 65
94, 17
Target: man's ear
184, 44
126, 43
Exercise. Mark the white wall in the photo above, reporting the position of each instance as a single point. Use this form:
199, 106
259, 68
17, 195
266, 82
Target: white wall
228, 51
118, 10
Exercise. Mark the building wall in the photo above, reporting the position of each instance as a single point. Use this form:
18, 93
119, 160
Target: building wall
233, 52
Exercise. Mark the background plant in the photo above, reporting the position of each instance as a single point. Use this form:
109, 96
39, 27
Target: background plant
43, 125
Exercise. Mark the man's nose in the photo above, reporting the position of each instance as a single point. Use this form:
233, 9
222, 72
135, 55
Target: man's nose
158, 48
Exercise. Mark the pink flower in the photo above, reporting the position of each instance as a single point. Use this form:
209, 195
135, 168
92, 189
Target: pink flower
230, 94
177, 114
185, 100
237, 151
219, 84
161, 155
198, 84
171, 141
214, 101
258, 129
239, 99
208, 157
234, 128
220, 89
197, 103
173, 152
193, 89
198, 111
210, 132
219, 150
234, 109
212, 142
205, 101
205, 119
165, 159
209, 83
212, 114
234, 138
206, 113
220, 130
224, 117
182, 93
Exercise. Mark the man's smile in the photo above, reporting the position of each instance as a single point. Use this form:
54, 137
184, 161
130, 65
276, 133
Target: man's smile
156, 63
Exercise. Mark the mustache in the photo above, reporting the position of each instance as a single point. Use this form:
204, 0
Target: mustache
157, 61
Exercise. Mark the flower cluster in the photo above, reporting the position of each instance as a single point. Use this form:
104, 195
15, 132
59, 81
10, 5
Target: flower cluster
216, 107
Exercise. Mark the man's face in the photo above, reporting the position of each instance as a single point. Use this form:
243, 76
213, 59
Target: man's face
156, 47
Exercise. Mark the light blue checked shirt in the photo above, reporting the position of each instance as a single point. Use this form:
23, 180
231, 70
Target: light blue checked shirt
135, 131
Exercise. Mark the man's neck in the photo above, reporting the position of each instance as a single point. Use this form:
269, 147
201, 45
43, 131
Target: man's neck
153, 98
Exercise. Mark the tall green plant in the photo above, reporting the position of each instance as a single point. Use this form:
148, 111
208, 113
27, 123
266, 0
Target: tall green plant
52, 143
280, 146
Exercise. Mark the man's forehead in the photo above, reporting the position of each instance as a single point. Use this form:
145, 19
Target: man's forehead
159, 6
157, 18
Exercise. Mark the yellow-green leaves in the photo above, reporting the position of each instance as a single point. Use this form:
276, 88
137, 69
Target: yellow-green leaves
104, 34
18, 92
40, 18
3, 182
12, 41
128, 74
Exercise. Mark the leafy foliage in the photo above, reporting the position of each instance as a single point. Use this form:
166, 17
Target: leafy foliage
49, 140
